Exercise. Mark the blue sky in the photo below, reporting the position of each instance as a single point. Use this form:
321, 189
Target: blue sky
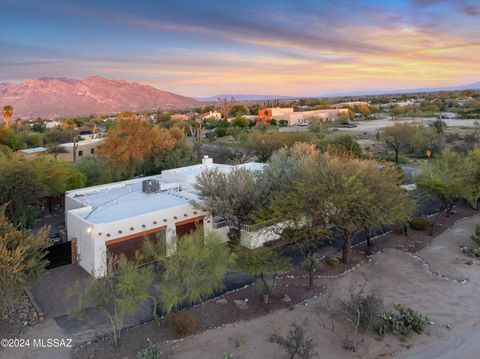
205, 48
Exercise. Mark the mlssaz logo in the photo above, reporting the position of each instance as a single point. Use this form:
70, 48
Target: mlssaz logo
52, 343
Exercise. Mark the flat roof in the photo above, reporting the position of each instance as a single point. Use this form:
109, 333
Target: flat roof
34, 150
113, 204
121, 200
84, 142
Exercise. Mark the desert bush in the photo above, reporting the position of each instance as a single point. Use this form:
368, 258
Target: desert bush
420, 223
333, 261
360, 311
183, 323
228, 356
473, 251
239, 341
402, 322
452, 137
361, 308
154, 352
296, 344
476, 235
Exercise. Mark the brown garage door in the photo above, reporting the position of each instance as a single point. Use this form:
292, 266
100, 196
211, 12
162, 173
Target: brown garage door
127, 246
188, 226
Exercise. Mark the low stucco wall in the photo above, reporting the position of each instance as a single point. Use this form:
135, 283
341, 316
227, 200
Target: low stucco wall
258, 238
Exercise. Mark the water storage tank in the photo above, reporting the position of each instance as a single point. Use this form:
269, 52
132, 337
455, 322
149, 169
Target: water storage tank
150, 186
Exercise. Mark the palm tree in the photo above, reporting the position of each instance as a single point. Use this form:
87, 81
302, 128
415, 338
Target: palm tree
7, 114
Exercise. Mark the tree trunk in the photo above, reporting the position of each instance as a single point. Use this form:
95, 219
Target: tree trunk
155, 315
311, 268
50, 207
346, 247
396, 157
367, 235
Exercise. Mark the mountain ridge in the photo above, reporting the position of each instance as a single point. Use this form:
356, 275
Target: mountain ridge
254, 97
62, 97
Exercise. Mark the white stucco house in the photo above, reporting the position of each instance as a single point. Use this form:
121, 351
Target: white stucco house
118, 217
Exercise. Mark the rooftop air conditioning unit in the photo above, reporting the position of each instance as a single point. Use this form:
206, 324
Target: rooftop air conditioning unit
150, 186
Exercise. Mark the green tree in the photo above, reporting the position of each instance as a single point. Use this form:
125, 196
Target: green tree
193, 270
119, 293
470, 189
21, 186
95, 170
240, 121
263, 145
294, 221
345, 193
439, 126
441, 181
9, 138
342, 144
24, 184
22, 259
398, 137
263, 263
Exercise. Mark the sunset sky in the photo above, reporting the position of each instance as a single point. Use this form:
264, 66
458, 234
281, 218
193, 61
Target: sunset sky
203, 48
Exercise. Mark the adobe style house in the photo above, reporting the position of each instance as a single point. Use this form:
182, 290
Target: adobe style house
85, 148
213, 115
119, 217
292, 118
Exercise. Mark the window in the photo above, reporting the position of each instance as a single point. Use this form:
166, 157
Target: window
92, 151
80, 153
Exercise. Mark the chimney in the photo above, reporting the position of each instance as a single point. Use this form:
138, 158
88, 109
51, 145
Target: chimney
206, 161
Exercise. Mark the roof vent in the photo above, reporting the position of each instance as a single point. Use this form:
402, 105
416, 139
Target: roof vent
150, 186
206, 161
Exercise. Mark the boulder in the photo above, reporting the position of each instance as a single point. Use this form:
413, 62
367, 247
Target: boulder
240, 303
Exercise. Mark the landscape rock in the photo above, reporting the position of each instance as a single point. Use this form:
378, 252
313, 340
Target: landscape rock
286, 299
222, 301
241, 304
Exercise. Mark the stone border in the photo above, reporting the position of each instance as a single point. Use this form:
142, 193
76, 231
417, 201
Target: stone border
34, 304
306, 301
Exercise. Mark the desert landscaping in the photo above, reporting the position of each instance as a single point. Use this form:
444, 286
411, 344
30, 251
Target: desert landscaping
435, 281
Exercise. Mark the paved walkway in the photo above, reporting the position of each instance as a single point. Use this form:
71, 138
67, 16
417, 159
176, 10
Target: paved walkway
52, 290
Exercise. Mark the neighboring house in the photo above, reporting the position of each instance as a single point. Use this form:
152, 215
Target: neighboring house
118, 218
32, 152
463, 101
86, 148
387, 106
294, 118
447, 115
348, 104
180, 117
210, 115
52, 124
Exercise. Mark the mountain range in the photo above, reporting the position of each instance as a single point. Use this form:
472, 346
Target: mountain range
60, 97
243, 97
252, 97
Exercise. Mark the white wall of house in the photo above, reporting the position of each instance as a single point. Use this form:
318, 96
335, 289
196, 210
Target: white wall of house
92, 237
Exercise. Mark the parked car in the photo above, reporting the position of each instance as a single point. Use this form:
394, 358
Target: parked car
55, 237
349, 125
